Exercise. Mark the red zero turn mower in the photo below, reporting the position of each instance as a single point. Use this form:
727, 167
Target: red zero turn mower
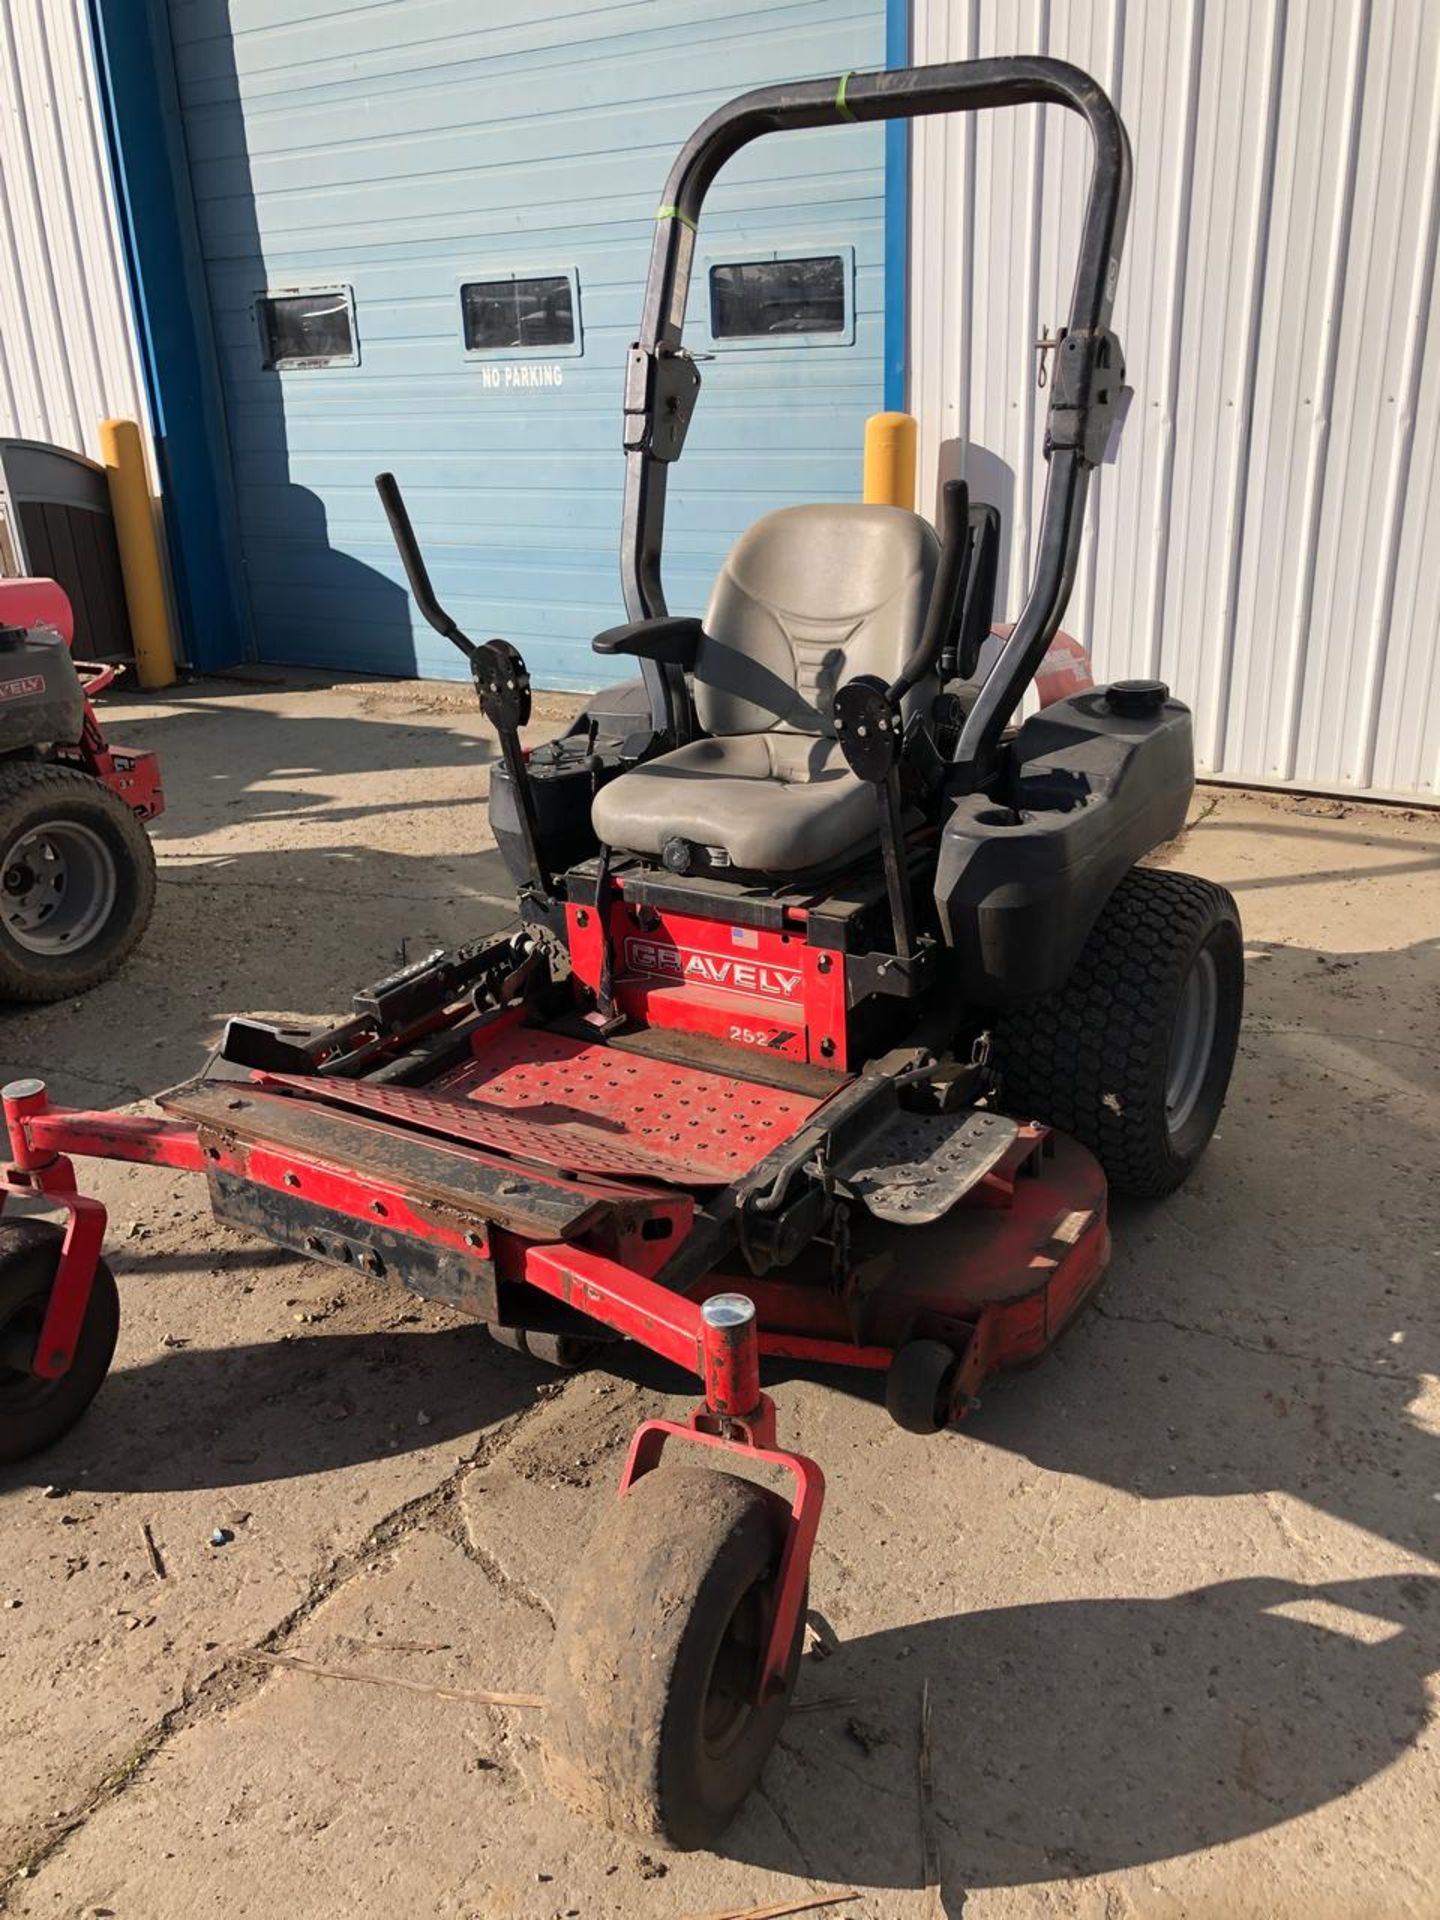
833, 1000
77, 872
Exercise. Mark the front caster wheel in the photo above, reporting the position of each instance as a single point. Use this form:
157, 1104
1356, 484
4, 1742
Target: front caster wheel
653, 1726
918, 1384
35, 1411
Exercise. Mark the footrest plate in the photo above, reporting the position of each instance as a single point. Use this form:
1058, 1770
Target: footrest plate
922, 1164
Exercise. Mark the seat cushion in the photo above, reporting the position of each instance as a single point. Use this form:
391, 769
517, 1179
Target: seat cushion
775, 802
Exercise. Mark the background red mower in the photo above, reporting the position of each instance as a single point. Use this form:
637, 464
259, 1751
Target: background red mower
77, 872
815, 952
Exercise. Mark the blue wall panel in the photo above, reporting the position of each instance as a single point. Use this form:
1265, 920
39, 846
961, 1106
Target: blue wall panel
400, 147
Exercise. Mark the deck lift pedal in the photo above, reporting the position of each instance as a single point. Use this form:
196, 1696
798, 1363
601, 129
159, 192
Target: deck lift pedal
832, 999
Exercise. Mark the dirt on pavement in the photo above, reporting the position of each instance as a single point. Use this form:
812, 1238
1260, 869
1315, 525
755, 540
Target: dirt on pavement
1174, 1591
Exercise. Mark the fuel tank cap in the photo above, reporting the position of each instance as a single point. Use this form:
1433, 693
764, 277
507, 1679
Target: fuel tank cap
1137, 699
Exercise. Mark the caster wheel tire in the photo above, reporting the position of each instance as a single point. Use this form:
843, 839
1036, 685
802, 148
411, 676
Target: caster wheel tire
917, 1385
1132, 1056
77, 882
567, 1351
651, 1723
35, 1411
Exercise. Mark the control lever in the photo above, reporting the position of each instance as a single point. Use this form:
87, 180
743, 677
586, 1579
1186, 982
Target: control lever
413, 562
502, 680
871, 731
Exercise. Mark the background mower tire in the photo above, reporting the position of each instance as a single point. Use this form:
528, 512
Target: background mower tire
651, 1725
1132, 1056
35, 1411
77, 881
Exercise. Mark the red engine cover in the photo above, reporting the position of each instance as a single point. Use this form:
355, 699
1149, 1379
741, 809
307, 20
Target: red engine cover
750, 986
33, 602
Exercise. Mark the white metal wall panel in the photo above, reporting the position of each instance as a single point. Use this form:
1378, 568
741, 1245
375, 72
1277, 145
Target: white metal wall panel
1269, 539
67, 348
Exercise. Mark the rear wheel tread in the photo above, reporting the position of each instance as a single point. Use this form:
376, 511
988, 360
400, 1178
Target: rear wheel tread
1091, 1058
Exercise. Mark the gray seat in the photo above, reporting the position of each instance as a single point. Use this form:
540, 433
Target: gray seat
809, 597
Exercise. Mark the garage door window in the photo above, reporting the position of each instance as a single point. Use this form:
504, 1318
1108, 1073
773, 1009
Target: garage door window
516, 314
781, 300
307, 328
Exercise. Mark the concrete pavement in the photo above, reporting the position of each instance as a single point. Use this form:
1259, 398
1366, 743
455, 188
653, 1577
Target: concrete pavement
1174, 1592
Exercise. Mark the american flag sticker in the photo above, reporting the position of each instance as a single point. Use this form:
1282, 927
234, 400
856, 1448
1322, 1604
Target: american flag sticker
744, 937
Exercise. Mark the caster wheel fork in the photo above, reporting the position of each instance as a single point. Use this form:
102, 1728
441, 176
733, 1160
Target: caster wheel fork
59, 1307
38, 1400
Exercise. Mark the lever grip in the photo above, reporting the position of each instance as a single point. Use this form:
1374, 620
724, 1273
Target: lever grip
411, 559
947, 589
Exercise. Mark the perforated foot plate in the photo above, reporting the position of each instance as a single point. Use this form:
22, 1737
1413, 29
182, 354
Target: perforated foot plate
923, 1163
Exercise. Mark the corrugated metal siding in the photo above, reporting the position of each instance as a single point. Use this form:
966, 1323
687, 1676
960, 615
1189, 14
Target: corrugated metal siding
399, 147
67, 349
1269, 540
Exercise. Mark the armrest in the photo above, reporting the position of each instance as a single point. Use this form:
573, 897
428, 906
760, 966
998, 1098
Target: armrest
671, 641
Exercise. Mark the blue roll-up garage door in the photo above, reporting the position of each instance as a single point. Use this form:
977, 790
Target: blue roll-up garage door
425, 226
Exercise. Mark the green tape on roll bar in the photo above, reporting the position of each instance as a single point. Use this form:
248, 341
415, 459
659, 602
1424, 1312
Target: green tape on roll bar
674, 213
840, 104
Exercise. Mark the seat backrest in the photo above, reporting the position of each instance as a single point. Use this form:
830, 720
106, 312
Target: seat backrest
810, 597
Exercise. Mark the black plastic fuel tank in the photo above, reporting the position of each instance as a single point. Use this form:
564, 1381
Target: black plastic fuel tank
1088, 787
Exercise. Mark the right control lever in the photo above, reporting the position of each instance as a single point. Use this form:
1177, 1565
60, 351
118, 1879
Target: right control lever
871, 731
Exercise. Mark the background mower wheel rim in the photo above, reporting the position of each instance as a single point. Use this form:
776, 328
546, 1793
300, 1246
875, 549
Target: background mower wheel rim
1192, 1042
58, 886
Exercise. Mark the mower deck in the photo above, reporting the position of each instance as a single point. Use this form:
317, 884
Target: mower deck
541, 1136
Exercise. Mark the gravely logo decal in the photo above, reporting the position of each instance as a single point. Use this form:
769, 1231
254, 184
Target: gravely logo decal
722, 970
19, 689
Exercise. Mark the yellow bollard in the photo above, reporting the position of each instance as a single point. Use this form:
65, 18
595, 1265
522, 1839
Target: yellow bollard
134, 512
890, 460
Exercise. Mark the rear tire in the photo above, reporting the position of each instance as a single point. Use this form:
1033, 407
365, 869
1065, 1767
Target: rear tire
1132, 1056
77, 881
651, 1725
36, 1411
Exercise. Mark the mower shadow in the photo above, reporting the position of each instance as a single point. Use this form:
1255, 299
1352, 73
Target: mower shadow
295, 1406
224, 757
1086, 1736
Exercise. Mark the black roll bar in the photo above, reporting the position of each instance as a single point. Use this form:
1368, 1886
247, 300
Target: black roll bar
662, 381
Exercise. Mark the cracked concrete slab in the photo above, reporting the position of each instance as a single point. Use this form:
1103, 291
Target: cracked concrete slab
1175, 1591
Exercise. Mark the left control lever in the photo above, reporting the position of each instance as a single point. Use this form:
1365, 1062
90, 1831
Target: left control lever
502, 681
413, 562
